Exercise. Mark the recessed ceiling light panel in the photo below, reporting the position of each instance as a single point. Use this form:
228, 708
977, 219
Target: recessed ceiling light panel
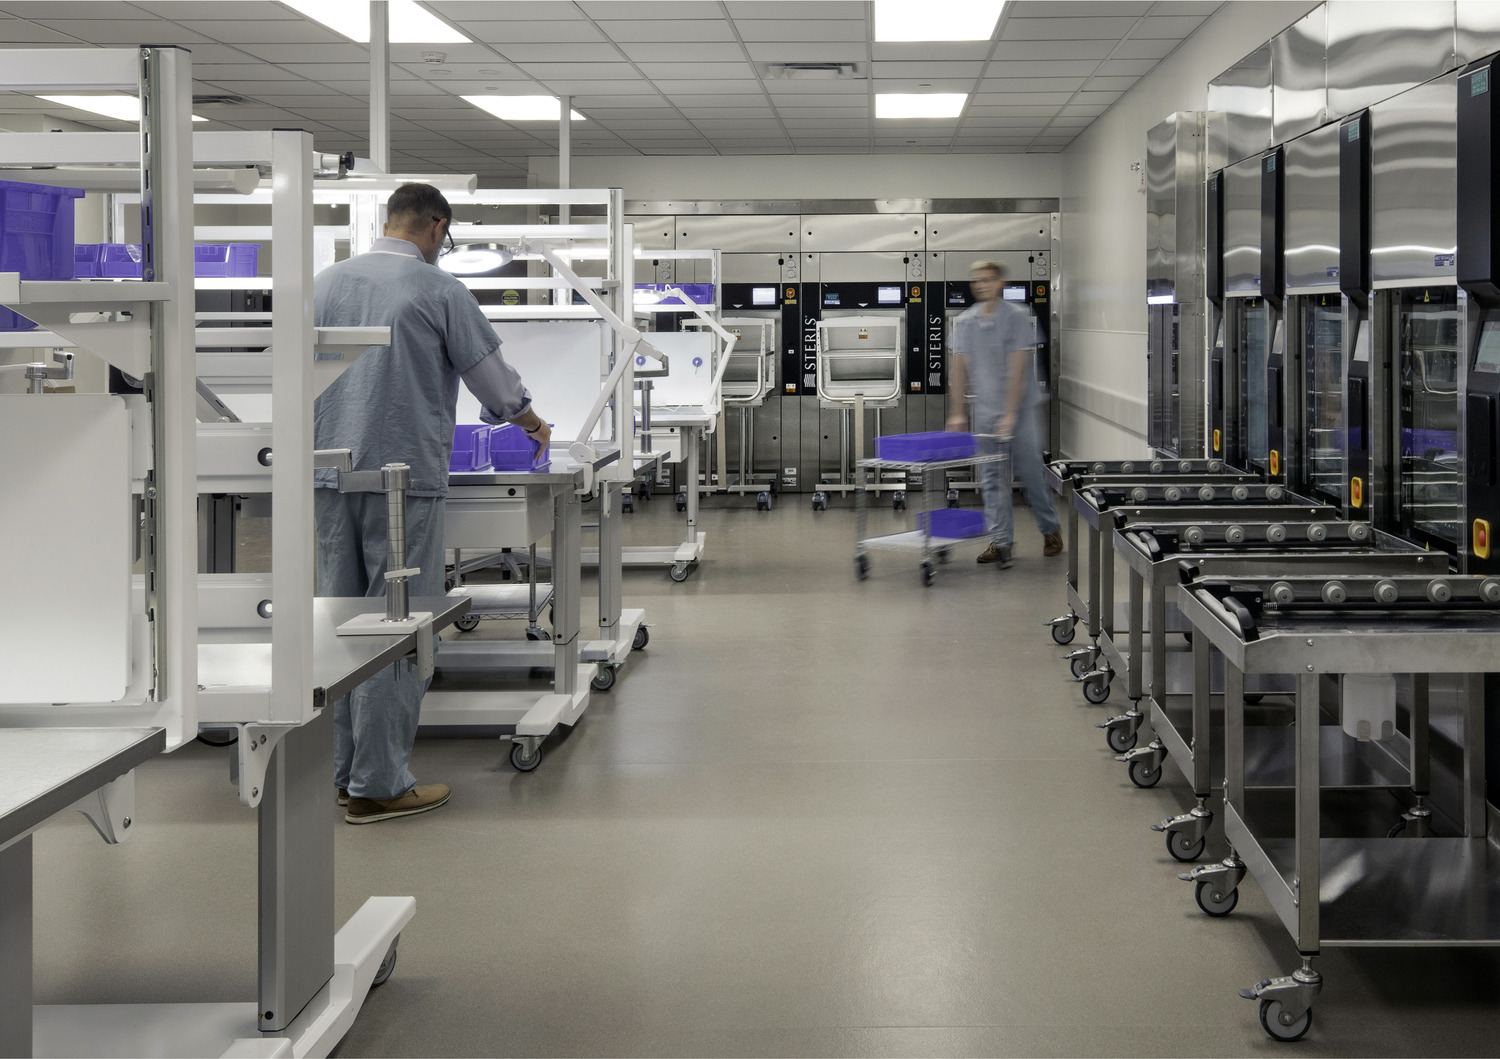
522, 108
409, 24
927, 20
121, 108
920, 105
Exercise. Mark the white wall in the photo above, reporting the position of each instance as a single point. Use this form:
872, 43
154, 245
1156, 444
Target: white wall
813, 176
1103, 280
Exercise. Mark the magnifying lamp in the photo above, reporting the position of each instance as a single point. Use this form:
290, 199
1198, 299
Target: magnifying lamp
473, 259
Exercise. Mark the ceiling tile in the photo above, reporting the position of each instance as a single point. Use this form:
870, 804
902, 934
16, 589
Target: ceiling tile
123, 31
309, 53
1126, 67
240, 72
268, 31
1030, 84
691, 88
738, 99
695, 113
1072, 121
1053, 49
801, 29
531, 10
564, 86
192, 9
1201, 8
928, 70
516, 32
615, 71
813, 89
656, 30
1174, 27
1058, 68
17, 31
1110, 84
1052, 100
1010, 112
1072, 28
698, 71
1083, 111
636, 9
603, 52
796, 9
1095, 98
700, 52
610, 103
1145, 49
789, 52
932, 51
921, 85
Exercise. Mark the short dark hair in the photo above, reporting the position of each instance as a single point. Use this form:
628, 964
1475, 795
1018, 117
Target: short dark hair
413, 205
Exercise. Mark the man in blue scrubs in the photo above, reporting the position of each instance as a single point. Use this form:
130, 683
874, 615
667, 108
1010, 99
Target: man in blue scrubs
397, 404
995, 343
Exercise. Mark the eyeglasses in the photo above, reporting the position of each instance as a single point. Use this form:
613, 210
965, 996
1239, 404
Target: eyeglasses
448, 238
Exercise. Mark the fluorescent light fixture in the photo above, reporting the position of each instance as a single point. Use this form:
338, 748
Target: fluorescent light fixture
1159, 299
121, 108
409, 24
913, 20
522, 108
475, 259
926, 105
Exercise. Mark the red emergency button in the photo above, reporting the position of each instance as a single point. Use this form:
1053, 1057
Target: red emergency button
1481, 539
1356, 492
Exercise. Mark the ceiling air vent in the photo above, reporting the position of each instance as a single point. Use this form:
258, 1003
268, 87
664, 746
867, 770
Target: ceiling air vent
218, 100
811, 71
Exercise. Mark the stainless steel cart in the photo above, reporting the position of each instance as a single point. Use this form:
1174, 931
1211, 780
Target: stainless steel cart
919, 540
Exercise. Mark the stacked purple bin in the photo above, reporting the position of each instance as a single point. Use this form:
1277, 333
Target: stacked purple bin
952, 522
120, 261
471, 447
512, 450
36, 237
215, 260
928, 447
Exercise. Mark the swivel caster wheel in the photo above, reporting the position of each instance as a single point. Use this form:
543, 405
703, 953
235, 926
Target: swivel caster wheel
524, 760
468, 623
942, 555
627, 504
643, 490
387, 965
1214, 901
953, 498
898, 500
604, 679
820, 501
1120, 739
861, 567
1079, 666
682, 501
775, 486
1283, 1027
642, 638
1251, 698
679, 572
929, 574
1062, 634
1184, 848
1144, 774
763, 500
1096, 691
536, 632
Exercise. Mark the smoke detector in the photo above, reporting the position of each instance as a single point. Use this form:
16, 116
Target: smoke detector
435, 58
811, 71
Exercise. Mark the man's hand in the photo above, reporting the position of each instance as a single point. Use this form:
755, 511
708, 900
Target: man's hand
536, 428
958, 423
1005, 426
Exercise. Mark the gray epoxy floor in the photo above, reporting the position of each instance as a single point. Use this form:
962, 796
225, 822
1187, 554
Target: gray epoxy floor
814, 817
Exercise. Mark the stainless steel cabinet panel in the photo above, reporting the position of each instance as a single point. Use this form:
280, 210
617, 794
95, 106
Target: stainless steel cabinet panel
1240, 107
1311, 177
741, 232
862, 232
1299, 76
1476, 30
654, 233
1242, 227
1174, 206
752, 268
954, 265
1413, 226
993, 231
1378, 50
881, 267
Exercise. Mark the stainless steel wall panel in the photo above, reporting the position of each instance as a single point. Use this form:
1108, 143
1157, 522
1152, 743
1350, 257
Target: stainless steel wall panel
654, 233
867, 232
1239, 110
1299, 77
955, 264
743, 232
868, 267
1242, 227
1379, 50
993, 231
1476, 31
1413, 224
1174, 207
1312, 211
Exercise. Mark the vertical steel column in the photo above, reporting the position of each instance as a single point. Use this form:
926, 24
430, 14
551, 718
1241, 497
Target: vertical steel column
611, 559
1307, 865
16, 928
1071, 513
296, 878
1201, 737
566, 586
1475, 818
171, 490
380, 85
565, 168
1158, 687
691, 436
1093, 597
1234, 724
1420, 735
1133, 679
1106, 597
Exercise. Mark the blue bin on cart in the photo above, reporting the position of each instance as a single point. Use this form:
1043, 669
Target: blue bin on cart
36, 237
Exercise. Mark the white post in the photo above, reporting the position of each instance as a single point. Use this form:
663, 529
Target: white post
380, 85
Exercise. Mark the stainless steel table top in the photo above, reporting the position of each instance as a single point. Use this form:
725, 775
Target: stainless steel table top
562, 470
48, 769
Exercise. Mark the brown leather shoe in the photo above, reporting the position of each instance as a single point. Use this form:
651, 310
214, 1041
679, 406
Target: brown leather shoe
1052, 544
420, 799
342, 797
995, 554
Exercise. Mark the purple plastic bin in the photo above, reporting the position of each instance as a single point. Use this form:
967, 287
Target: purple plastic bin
36, 237
953, 522
86, 260
471, 447
512, 450
120, 260
927, 447
218, 260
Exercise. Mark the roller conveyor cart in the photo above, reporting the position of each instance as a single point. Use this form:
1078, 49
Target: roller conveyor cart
1106, 508
1405, 886
1188, 729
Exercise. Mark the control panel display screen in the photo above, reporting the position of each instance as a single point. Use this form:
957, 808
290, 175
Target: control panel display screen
762, 295
1488, 356
888, 295
1014, 293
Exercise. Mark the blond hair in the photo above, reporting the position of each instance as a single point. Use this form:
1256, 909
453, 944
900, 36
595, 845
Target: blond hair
988, 266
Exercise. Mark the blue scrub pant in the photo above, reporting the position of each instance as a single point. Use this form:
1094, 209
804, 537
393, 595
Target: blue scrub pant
375, 725
1025, 465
